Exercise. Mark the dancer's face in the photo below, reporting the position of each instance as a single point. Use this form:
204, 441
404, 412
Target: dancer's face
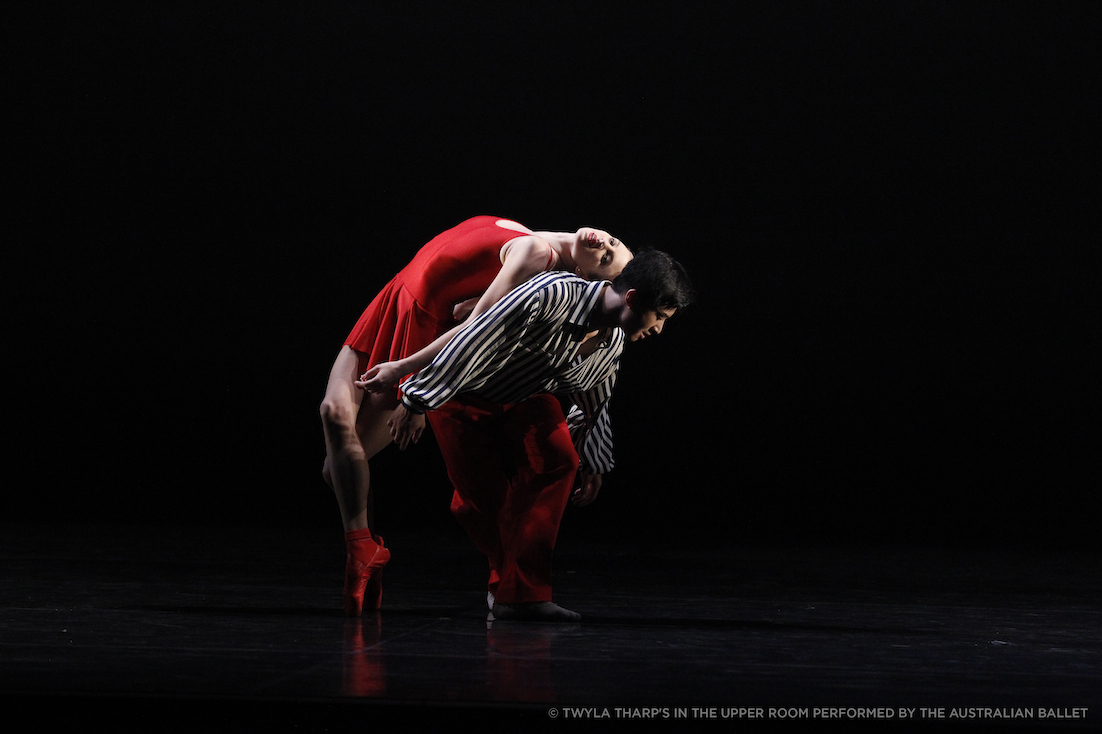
638, 324
598, 255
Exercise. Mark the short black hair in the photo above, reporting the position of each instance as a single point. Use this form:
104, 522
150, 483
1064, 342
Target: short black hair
659, 281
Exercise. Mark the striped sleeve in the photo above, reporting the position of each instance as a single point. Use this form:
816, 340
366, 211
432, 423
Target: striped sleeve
591, 427
477, 354
473, 355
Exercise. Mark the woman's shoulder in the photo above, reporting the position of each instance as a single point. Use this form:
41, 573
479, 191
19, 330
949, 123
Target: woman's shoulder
529, 252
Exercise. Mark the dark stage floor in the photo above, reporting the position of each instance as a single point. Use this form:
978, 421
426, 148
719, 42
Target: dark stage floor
192, 629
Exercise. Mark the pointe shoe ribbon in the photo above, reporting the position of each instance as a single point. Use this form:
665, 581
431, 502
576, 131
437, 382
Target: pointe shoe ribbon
366, 558
373, 593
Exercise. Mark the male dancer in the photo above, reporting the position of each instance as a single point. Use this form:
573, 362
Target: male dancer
511, 455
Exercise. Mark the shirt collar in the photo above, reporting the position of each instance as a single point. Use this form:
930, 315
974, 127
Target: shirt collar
579, 316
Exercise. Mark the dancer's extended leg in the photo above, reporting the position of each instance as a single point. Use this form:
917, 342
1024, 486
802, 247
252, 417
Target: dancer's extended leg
355, 430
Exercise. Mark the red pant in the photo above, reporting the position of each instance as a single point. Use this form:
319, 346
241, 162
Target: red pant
513, 468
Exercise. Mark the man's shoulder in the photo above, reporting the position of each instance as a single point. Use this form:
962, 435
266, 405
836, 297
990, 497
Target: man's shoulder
555, 286
557, 277
562, 287
566, 284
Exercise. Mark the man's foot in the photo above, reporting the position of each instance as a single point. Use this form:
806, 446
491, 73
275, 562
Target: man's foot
534, 611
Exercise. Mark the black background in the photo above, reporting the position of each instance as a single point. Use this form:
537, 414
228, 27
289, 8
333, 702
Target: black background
888, 209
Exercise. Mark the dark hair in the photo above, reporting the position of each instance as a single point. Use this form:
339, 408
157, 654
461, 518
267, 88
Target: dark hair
658, 279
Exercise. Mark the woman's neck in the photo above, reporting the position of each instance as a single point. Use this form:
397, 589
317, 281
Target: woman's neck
561, 243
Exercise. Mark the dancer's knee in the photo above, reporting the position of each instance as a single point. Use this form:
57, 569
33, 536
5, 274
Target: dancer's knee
333, 412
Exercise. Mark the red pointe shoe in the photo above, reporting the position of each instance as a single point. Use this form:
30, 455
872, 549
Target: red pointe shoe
365, 559
373, 593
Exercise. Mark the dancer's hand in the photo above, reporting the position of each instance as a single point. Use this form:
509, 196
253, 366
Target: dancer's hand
586, 492
382, 377
463, 309
405, 426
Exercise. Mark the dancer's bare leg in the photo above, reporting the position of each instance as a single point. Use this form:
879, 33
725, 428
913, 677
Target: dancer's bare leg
355, 431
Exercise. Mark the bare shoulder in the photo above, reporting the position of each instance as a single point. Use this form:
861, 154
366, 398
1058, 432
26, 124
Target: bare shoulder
530, 253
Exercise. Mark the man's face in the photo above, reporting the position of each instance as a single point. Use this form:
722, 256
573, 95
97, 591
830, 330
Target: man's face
642, 324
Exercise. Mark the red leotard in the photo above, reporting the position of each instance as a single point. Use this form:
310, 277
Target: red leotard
416, 306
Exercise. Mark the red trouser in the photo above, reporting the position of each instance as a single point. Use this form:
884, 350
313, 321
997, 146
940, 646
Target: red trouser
513, 468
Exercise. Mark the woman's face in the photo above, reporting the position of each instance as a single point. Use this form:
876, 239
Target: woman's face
599, 255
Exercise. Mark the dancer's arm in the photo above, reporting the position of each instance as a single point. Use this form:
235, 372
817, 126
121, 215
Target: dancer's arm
524, 258
482, 348
591, 431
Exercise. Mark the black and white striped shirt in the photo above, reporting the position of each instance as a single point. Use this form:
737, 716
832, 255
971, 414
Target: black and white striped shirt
525, 344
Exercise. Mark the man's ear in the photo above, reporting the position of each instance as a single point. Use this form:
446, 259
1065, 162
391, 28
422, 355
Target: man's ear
630, 297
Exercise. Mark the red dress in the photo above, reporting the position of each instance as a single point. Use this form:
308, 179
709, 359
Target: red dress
512, 516
416, 306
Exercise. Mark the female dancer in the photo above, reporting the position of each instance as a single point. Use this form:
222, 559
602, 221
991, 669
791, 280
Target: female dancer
405, 326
